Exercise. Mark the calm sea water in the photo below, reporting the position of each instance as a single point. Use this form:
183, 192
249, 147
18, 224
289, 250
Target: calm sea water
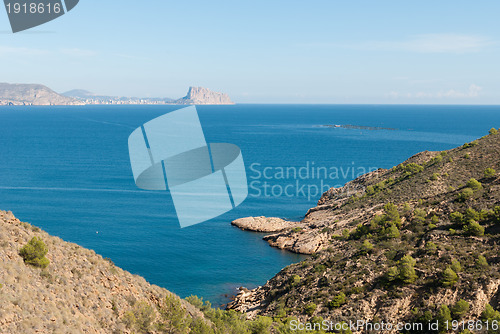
66, 169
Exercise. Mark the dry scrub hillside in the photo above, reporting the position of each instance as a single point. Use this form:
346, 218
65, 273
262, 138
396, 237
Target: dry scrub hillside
78, 292
416, 243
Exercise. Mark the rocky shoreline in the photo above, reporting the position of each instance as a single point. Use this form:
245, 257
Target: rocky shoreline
313, 233
296, 237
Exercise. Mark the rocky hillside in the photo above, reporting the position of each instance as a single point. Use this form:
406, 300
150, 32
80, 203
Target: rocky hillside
51, 286
23, 94
78, 291
200, 95
417, 243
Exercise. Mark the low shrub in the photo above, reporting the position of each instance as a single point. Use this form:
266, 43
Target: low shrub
465, 194
390, 232
319, 268
490, 314
419, 216
294, 280
310, 308
457, 217
430, 247
481, 262
471, 144
473, 228
449, 277
412, 168
460, 309
140, 318
33, 253
443, 318
366, 247
261, 325
474, 184
456, 266
404, 272
489, 172
337, 301
436, 159
370, 190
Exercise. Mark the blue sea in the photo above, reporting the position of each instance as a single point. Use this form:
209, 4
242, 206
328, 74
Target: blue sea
67, 170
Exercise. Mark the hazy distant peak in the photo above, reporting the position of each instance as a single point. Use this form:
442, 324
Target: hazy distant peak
79, 93
201, 95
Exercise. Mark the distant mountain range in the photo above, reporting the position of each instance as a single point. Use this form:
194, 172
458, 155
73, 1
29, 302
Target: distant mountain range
34, 94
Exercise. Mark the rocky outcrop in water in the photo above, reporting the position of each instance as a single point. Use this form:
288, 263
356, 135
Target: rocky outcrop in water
264, 224
200, 95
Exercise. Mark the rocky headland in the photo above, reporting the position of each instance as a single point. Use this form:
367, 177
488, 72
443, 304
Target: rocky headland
417, 243
31, 94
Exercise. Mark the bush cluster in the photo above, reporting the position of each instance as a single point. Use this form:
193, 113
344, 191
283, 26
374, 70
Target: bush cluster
471, 219
412, 169
380, 186
337, 301
471, 144
385, 226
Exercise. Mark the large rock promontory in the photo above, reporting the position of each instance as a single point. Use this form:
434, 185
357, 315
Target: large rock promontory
201, 95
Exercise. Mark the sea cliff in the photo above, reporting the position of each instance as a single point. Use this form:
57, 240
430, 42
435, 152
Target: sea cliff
200, 95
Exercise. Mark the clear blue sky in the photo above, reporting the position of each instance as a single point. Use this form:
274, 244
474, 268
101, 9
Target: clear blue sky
267, 51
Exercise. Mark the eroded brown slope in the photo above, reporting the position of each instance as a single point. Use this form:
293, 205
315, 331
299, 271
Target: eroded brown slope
79, 292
